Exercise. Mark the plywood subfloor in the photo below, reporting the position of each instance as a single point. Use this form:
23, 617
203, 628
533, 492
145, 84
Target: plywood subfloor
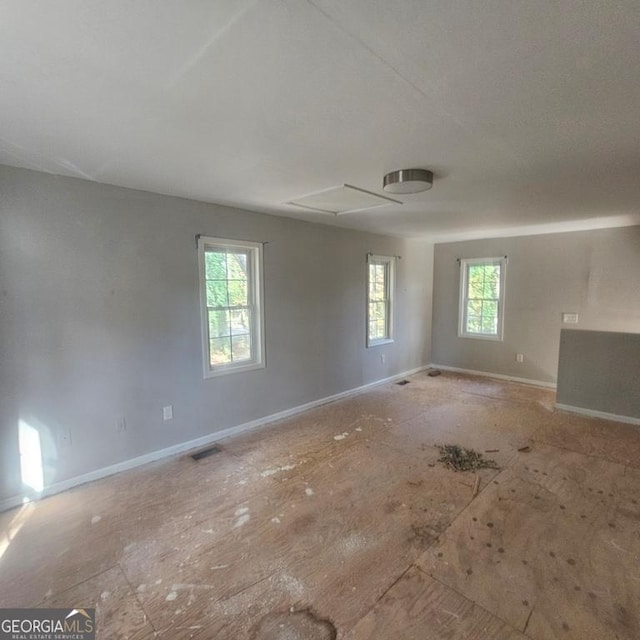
341, 523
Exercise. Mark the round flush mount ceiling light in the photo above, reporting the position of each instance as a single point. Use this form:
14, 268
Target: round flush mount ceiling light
408, 181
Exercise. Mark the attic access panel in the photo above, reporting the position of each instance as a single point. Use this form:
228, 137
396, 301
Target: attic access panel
343, 199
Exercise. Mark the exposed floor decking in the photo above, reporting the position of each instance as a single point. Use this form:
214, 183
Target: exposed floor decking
340, 522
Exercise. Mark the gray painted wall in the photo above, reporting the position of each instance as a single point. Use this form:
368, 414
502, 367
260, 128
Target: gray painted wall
593, 273
600, 370
99, 318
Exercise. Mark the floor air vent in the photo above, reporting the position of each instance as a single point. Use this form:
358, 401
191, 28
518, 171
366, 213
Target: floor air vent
205, 453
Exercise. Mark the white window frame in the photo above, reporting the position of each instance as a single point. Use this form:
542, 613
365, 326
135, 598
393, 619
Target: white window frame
255, 289
463, 306
389, 263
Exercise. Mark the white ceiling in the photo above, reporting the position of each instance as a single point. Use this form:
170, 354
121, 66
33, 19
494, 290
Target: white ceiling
527, 112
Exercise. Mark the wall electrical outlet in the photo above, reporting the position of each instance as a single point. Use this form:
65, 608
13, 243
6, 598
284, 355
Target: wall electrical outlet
167, 412
121, 425
519, 357
570, 318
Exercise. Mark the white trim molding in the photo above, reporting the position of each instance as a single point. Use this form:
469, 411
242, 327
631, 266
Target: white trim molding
389, 264
217, 436
253, 305
497, 376
465, 263
603, 415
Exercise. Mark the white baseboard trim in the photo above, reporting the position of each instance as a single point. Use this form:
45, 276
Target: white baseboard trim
598, 414
498, 376
58, 487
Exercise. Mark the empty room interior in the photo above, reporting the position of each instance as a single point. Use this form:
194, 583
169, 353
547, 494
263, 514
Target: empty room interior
320, 320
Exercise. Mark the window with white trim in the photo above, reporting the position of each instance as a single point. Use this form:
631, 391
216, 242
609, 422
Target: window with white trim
481, 311
230, 294
380, 285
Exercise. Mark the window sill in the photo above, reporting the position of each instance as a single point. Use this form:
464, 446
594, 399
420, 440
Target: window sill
481, 337
379, 343
226, 370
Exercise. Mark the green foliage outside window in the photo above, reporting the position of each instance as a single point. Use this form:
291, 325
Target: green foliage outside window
483, 296
228, 305
378, 301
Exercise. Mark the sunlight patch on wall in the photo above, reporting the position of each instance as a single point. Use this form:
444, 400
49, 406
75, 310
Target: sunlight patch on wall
30, 457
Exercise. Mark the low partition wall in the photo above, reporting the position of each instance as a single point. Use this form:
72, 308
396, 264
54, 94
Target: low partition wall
599, 374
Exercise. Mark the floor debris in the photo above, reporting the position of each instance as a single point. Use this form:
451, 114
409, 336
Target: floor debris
461, 459
434, 372
476, 486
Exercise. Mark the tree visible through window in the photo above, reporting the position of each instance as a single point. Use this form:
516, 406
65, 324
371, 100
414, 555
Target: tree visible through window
379, 299
231, 312
482, 296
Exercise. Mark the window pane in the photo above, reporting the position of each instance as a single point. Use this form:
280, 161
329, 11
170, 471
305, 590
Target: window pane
489, 325
379, 299
231, 281
240, 321
490, 309
474, 308
376, 330
475, 281
241, 347
237, 266
480, 311
217, 293
474, 324
378, 320
215, 264
238, 295
218, 324
491, 287
220, 351
376, 291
